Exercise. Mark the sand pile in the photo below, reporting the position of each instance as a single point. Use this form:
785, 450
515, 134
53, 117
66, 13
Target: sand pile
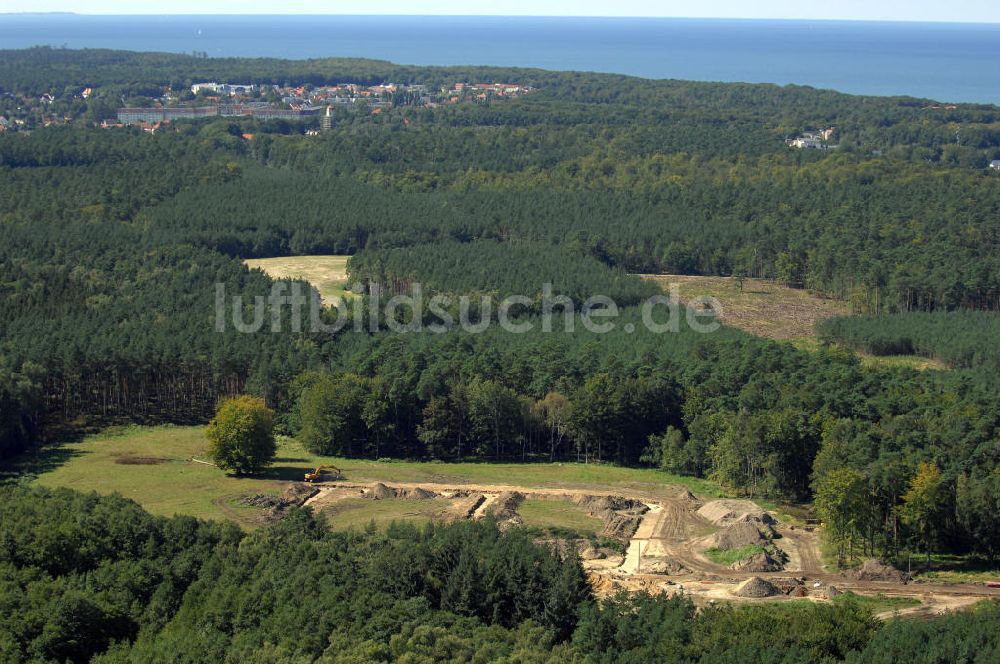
759, 562
686, 496
741, 534
761, 519
725, 512
419, 493
379, 491
876, 570
756, 587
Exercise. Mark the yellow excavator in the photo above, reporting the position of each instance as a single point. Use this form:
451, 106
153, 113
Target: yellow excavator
315, 475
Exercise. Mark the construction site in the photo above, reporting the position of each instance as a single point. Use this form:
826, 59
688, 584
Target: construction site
659, 544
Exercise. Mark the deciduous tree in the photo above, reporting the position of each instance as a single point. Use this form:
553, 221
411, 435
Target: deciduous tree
241, 435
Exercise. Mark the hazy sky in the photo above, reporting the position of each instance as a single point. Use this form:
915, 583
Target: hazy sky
899, 10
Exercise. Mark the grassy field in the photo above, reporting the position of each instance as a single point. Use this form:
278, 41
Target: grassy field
559, 515
328, 274
167, 483
172, 485
730, 556
357, 513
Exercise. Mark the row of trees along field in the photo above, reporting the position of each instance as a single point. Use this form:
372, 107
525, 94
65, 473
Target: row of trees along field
119, 585
112, 243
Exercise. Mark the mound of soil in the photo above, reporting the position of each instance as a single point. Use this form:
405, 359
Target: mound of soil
620, 526
762, 519
379, 491
277, 507
621, 515
876, 570
756, 587
260, 500
506, 504
419, 494
724, 512
664, 566
298, 493
741, 534
504, 510
129, 460
686, 496
799, 591
598, 504
759, 562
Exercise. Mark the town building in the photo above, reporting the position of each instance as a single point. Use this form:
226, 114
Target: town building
154, 115
813, 140
231, 89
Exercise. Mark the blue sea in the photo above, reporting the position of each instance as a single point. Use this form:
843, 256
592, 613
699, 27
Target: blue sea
946, 62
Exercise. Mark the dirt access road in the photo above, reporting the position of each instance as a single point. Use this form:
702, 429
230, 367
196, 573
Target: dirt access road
666, 553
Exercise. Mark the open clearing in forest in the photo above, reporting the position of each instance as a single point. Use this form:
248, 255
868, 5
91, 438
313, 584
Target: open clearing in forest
327, 274
763, 308
768, 309
173, 485
665, 524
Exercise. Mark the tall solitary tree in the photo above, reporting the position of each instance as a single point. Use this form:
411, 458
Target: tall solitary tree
241, 435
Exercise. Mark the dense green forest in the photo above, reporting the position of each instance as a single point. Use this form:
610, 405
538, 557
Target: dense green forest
961, 339
498, 268
88, 578
113, 240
